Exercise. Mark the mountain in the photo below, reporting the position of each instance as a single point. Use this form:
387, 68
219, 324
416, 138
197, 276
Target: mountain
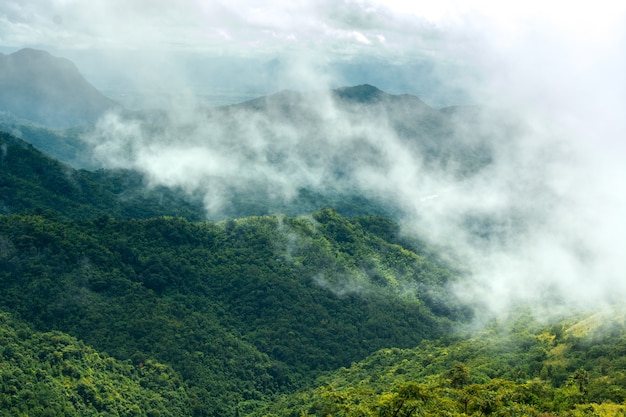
65, 145
518, 367
54, 374
452, 138
103, 313
242, 309
368, 94
33, 182
120, 298
48, 90
296, 152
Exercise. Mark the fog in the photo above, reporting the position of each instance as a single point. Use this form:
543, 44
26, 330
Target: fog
541, 226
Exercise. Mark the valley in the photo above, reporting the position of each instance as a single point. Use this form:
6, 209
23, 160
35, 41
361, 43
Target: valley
343, 252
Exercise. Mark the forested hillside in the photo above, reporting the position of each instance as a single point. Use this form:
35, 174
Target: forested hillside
32, 182
119, 297
64, 145
53, 374
242, 310
519, 368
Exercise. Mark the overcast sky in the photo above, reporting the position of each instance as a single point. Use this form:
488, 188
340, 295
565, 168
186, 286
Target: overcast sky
206, 45
454, 44
233, 27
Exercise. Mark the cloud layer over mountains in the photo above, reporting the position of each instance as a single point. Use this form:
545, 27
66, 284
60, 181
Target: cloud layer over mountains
541, 223
524, 209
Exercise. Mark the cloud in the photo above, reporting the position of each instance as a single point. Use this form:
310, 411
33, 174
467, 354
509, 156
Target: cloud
542, 224
566, 174
119, 46
238, 27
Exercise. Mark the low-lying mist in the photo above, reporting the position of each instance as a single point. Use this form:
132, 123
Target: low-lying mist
525, 190
535, 219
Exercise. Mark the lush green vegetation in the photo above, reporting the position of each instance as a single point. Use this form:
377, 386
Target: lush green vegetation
242, 309
53, 374
513, 369
116, 300
31, 182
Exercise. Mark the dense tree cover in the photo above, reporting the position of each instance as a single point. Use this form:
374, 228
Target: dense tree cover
242, 309
53, 374
177, 316
519, 369
31, 182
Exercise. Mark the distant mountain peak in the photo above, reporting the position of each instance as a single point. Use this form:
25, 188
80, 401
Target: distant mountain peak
363, 93
49, 90
368, 94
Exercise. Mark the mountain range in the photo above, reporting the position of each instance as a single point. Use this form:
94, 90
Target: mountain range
119, 297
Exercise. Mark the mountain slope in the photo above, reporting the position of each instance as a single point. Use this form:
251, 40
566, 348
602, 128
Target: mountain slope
294, 152
517, 367
53, 374
242, 309
31, 182
48, 90
331, 147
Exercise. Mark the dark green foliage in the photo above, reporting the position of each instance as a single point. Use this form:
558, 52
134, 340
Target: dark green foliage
31, 182
255, 202
242, 309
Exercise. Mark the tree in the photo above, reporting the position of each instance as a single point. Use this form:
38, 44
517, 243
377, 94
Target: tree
581, 379
406, 402
459, 375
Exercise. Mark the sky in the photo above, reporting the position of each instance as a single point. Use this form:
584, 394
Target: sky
559, 70
216, 46
432, 49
